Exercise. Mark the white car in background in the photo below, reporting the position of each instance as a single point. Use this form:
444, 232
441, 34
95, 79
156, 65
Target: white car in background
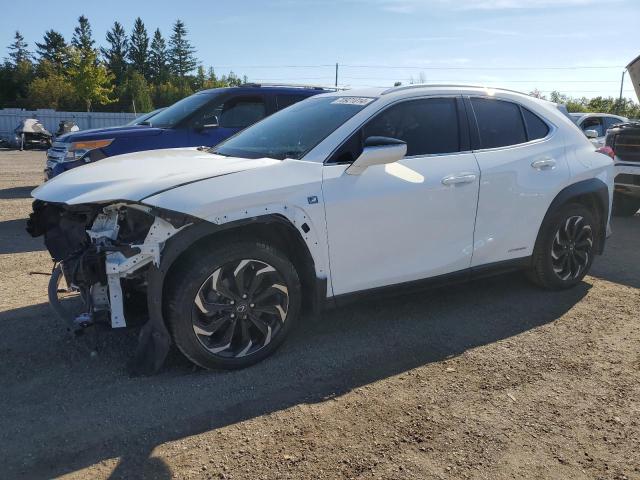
598, 123
339, 196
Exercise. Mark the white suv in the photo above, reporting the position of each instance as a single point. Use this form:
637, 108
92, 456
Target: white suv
340, 195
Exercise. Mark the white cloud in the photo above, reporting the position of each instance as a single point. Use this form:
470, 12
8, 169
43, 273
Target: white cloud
411, 6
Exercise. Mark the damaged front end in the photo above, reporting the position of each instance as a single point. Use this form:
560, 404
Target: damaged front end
106, 253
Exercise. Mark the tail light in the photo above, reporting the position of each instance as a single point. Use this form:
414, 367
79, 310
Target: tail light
608, 151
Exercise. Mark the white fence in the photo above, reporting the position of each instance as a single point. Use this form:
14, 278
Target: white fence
11, 117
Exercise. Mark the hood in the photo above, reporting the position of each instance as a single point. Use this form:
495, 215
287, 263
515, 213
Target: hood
136, 176
111, 132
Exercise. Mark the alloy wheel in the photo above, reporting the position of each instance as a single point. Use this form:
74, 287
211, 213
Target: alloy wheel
240, 308
571, 249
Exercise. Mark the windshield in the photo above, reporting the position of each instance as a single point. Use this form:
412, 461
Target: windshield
292, 132
144, 117
180, 110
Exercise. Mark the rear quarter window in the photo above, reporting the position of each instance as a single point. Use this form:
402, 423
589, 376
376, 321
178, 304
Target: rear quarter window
536, 127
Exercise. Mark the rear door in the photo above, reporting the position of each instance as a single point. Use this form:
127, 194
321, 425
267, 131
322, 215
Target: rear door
523, 167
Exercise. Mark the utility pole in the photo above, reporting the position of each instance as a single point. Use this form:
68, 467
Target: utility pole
620, 98
337, 76
622, 84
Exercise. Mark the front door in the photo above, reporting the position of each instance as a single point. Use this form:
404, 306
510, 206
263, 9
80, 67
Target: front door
408, 220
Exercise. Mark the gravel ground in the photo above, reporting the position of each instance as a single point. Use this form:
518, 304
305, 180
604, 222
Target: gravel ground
494, 379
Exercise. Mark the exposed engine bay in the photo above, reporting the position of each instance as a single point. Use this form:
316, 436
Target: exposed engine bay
105, 252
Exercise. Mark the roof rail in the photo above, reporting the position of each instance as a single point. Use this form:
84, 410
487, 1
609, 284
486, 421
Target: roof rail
422, 85
293, 85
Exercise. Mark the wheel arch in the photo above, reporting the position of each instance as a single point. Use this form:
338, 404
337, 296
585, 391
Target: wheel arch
593, 193
276, 229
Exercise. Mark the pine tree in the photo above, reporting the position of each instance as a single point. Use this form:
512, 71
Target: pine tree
158, 58
200, 79
53, 49
181, 52
116, 55
19, 50
82, 35
139, 47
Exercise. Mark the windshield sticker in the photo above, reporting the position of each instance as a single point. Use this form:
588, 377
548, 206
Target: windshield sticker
353, 101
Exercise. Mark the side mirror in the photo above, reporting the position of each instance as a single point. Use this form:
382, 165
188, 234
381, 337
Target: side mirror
378, 151
591, 133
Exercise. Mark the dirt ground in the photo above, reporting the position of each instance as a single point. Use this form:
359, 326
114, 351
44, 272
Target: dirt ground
493, 380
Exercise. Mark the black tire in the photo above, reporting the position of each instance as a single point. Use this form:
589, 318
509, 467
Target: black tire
625, 206
196, 273
553, 248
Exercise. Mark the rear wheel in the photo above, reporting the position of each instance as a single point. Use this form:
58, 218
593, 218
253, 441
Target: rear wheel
234, 305
625, 206
565, 248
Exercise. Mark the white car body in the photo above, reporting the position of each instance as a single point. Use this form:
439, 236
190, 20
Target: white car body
422, 217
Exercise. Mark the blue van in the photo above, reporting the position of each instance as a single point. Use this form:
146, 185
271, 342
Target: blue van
203, 119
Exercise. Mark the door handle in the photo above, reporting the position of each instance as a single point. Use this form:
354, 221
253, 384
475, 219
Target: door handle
544, 164
459, 179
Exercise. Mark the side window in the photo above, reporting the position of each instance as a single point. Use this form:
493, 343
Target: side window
429, 126
536, 128
283, 101
240, 112
593, 123
499, 123
611, 121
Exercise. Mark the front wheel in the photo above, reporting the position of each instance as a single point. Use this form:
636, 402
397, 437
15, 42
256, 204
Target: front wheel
564, 250
233, 305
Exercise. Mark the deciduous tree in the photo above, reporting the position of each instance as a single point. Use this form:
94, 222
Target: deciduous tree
91, 80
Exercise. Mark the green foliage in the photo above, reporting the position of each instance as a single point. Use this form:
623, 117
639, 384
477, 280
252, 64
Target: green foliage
19, 51
115, 56
131, 69
166, 94
92, 82
139, 48
53, 49
82, 39
136, 93
625, 106
52, 91
181, 53
158, 58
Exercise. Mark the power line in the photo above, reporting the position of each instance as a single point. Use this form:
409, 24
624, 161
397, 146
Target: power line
426, 67
576, 67
503, 81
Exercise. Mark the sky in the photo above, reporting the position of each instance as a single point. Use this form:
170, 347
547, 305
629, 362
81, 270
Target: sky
517, 44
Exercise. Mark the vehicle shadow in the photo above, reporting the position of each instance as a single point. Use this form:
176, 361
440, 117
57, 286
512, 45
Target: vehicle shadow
16, 192
67, 411
621, 258
14, 239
